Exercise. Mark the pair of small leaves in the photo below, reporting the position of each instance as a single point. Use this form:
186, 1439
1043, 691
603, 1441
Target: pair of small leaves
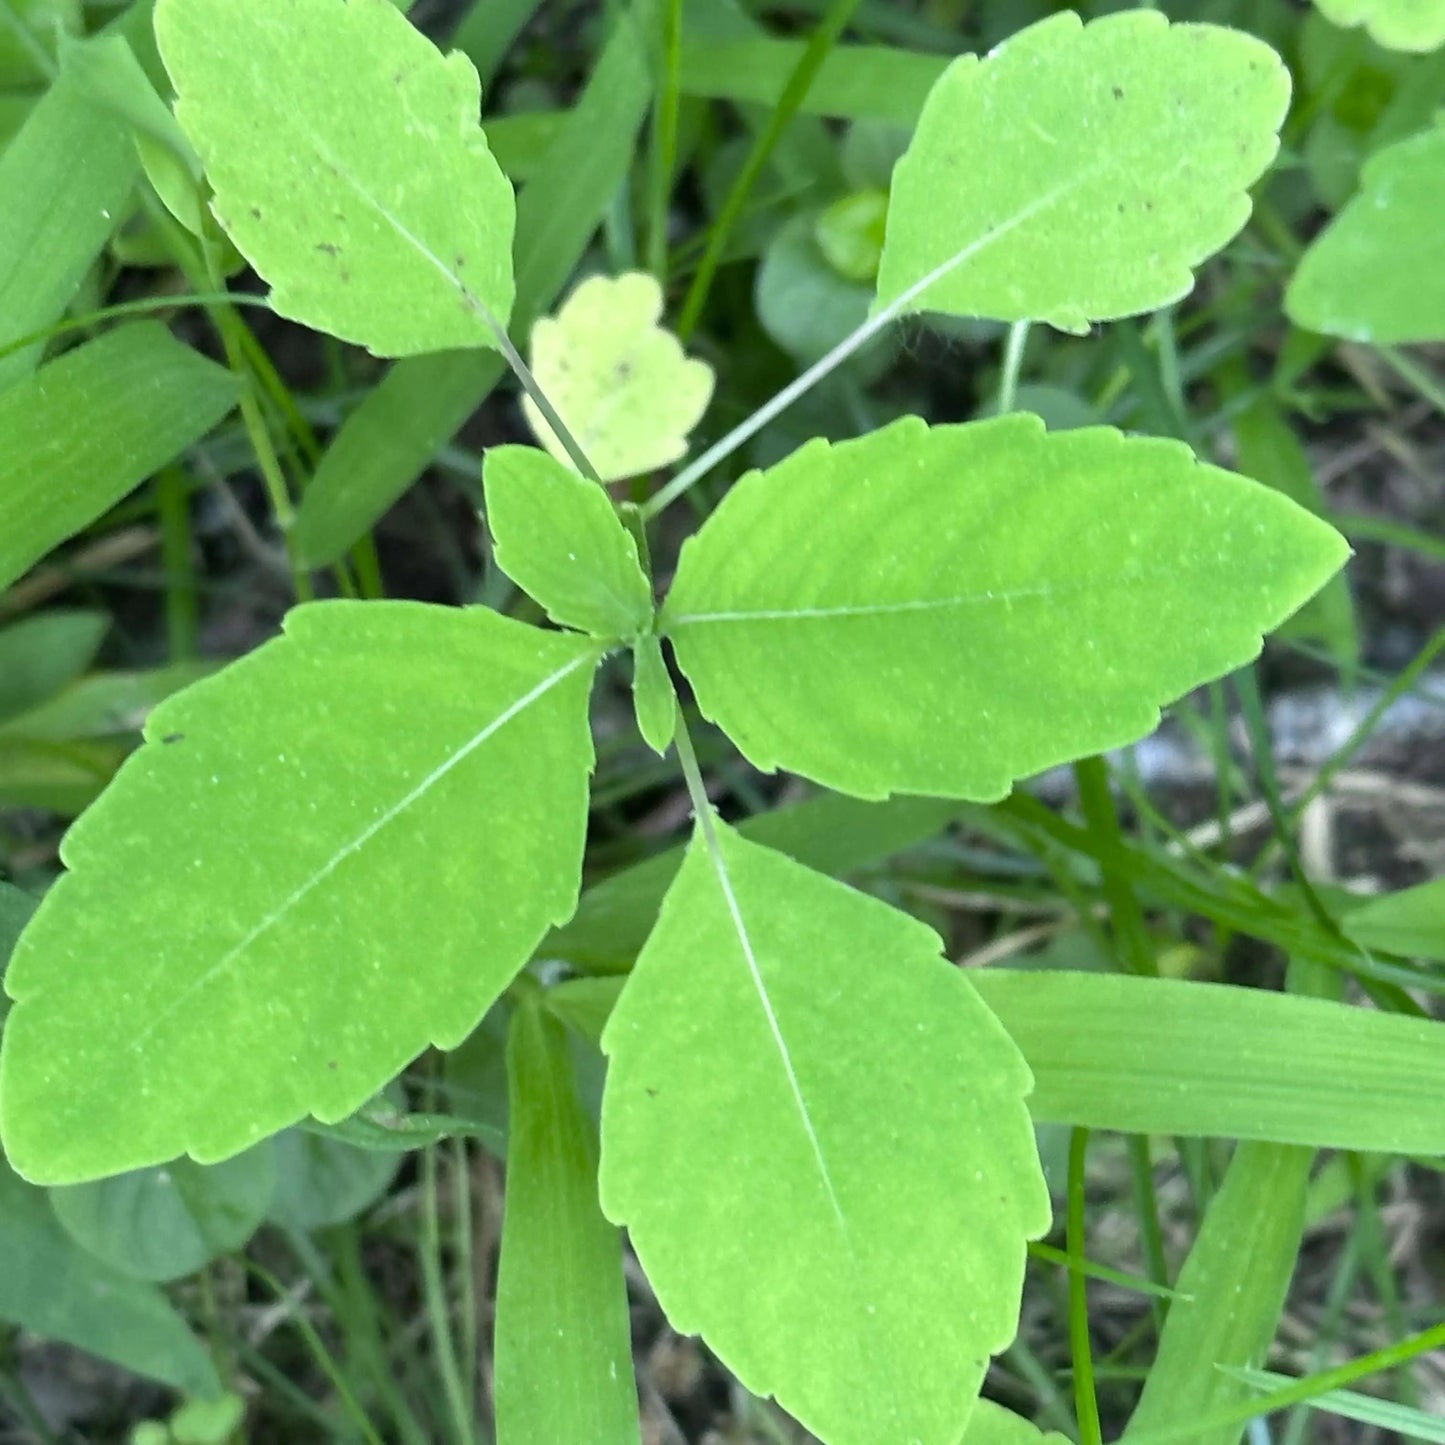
1417, 25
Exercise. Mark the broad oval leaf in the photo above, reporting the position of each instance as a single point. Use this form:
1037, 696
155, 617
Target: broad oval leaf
1417, 25
620, 383
52, 1287
348, 165
816, 1136
986, 601
167, 1221
1125, 164
321, 1182
1374, 273
559, 538
326, 857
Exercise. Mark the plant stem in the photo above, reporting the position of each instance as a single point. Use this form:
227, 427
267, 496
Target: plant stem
1013, 360
438, 1307
795, 91
861, 336
1086, 1404
664, 138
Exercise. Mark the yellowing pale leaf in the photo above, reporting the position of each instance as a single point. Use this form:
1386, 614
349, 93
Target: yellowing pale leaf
816, 1136
348, 165
1079, 173
620, 383
986, 600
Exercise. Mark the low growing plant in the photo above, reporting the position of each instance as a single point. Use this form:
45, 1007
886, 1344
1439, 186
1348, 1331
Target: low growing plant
348, 845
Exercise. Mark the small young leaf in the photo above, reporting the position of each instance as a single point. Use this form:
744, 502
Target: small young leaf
1417, 25
1233, 1286
167, 1221
246, 936
816, 1136
653, 698
986, 600
563, 1347
66, 179
51, 1286
1374, 273
558, 537
1133, 143
348, 166
618, 380
87, 428
1411, 922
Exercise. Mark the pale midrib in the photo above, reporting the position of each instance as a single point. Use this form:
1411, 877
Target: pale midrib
347, 850
745, 942
1042, 592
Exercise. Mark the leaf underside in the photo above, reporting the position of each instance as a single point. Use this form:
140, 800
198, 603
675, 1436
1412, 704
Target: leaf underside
244, 937
1123, 163
348, 166
1374, 273
804, 1071
988, 600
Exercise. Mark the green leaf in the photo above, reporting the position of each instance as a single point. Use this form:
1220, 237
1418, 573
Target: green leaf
808, 308
991, 1424
881, 82
1373, 274
1129, 166
1232, 1288
833, 834
86, 429
170, 1220
66, 180
558, 537
245, 936
107, 68
803, 1096
103, 704
348, 167
1411, 922
323, 1182
1164, 1056
850, 233
652, 696
563, 1345
52, 1287
1073, 582
620, 383
1417, 25
40, 654
388, 441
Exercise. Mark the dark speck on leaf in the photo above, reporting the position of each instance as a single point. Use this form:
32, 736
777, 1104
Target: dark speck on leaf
331, 1063
173, 738
1118, 92
652, 1093
624, 370
461, 261
329, 247
255, 213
